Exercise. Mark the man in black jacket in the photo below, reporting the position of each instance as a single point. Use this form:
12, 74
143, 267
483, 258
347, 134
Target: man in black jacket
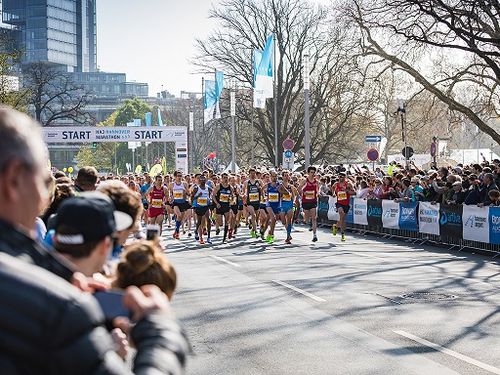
47, 326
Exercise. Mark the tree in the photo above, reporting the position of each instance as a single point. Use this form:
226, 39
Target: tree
406, 33
54, 96
337, 103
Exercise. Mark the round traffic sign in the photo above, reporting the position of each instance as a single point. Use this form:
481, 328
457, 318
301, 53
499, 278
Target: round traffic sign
407, 152
288, 153
288, 144
372, 154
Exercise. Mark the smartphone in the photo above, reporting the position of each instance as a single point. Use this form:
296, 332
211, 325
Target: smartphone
111, 303
152, 231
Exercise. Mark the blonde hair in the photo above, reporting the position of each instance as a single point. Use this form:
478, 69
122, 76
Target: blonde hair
144, 263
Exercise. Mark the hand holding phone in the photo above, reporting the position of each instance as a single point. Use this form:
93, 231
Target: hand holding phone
111, 303
152, 232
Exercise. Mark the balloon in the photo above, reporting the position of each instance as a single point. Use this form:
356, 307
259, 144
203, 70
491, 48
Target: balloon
64, 169
155, 169
212, 155
70, 169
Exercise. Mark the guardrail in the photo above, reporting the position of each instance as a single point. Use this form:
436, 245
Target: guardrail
459, 226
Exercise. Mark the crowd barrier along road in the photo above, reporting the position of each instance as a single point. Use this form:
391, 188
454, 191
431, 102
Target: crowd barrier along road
456, 225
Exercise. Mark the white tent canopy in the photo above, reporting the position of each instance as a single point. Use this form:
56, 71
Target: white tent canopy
229, 168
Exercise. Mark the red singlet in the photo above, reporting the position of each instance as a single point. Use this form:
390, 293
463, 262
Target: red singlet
342, 193
156, 207
309, 192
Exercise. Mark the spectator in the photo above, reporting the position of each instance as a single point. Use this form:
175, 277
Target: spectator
86, 179
458, 194
494, 196
487, 185
144, 263
24, 182
61, 192
85, 230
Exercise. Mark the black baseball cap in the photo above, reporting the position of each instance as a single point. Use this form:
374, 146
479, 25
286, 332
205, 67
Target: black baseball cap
90, 216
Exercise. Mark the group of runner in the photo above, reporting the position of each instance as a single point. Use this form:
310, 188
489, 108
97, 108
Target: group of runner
259, 198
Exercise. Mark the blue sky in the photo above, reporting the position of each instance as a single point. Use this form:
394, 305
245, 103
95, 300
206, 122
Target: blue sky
152, 40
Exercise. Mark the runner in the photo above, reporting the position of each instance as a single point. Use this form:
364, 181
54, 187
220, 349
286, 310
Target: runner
144, 189
158, 195
309, 188
262, 216
252, 194
272, 205
235, 197
178, 193
222, 198
289, 195
169, 208
201, 201
342, 189
241, 208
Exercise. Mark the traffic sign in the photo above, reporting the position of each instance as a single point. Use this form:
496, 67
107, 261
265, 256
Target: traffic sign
288, 144
407, 152
372, 154
373, 139
288, 153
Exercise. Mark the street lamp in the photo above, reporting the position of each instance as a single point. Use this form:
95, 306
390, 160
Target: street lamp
307, 137
232, 95
402, 112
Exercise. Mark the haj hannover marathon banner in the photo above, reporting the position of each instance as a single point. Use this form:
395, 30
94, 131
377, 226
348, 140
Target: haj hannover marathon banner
494, 220
360, 208
428, 218
408, 216
211, 97
374, 213
390, 214
450, 221
476, 223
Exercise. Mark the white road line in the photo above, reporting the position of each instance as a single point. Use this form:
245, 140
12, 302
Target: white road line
303, 292
224, 260
459, 356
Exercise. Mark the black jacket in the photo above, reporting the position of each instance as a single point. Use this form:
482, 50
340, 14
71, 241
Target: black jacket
47, 326
17, 244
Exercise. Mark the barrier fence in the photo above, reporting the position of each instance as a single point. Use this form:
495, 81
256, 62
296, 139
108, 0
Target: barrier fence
455, 225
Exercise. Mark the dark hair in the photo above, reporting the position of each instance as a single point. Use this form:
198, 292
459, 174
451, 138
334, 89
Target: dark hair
59, 174
311, 169
87, 176
144, 263
61, 192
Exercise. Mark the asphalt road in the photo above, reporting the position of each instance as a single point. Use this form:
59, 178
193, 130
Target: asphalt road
366, 306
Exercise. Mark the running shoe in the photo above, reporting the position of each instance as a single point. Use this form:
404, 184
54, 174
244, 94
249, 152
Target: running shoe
288, 241
189, 234
334, 229
202, 242
268, 237
196, 237
343, 237
217, 231
270, 240
315, 239
262, 236
209, 241
253, 234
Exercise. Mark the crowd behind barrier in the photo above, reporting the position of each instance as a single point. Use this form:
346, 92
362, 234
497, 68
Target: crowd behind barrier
453, 224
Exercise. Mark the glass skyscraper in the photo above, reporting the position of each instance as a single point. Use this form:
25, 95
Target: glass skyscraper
56, 31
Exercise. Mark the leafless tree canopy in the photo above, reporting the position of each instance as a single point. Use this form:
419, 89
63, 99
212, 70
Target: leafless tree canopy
54, 96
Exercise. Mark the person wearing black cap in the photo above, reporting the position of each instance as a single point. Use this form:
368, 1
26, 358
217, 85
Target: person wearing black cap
85, 230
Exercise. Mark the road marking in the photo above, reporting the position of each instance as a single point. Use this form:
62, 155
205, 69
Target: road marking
224, 260
303, 292
452, 353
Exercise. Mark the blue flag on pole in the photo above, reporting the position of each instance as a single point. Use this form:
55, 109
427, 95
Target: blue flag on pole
148, 118
211, 97
263, 73
160, 121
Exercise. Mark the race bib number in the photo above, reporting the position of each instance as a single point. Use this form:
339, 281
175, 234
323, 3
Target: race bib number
178, 195
342, 196
274, 197
202, 201
287, 197
157, 203
254, 197
310, 195
224, 198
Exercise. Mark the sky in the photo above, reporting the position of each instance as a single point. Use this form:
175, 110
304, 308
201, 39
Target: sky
152, 41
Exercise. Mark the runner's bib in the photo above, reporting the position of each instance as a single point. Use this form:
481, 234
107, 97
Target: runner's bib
310, 195
274, 197
254, 197
342, 196
287, 197
202, 201
178, 195
156, 203
224, 198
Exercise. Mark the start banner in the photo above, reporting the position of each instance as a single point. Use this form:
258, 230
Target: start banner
89, 134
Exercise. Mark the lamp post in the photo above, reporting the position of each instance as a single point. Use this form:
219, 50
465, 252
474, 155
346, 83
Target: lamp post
402, 112
232, 95
191, 136
307, 137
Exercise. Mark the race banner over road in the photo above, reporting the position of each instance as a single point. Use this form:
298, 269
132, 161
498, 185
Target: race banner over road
89, 134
